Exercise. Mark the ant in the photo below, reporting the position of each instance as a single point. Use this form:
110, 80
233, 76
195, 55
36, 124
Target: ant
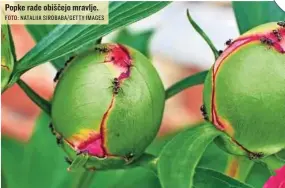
204, 113
282, 23
69, 60
61, 70
102, 49
253, 156
229, 42
52, 129
116, 86
267, 41
277, 34
220, 52
58, 139
129, 157
58, 136
57, 75
69, 161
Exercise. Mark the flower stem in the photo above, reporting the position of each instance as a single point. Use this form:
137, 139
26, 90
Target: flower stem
146, 161
189, 81
239, 167
41, 102
273, 163
84, 179
203, 34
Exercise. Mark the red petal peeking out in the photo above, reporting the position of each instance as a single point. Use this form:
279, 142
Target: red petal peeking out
277, 181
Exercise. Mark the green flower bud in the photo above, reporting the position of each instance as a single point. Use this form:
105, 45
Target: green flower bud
7, 58
108, 106
244, 92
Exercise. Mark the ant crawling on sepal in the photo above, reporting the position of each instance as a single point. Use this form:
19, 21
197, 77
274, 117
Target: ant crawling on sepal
277, 34
69, 161
129, 157
254, 156
282, 23
204, 113
229, 42
267, 41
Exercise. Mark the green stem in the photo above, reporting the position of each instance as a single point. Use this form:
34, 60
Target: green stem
192, 80
41, 102
239, 167
84, 179
272, 162
147, 161
203, 34
199, 77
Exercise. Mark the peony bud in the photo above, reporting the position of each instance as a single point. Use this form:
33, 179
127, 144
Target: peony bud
244, 92
108, 106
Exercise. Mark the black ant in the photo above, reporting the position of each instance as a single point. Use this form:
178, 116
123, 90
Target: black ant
253, 156
102, 49
277, 34
229, 42
57, 75
61, 70
282, 23
220, 52
116, 86
129, 157
267, 41
69, 161
57, 136
204, 113
58, 139
69, 60
52, 129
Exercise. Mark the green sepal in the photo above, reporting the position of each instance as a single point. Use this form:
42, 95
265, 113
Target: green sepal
79, 162
227, 144
108, 162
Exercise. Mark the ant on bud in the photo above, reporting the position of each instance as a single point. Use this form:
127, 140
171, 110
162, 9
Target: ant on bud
58, 139
61, 70
254, 156
116, 86
102, 49
129, 157
57, 136
282, 23
52, 129
204, 113
57, 75
266, 41
277, 34
229, 42
69, 60
69, 161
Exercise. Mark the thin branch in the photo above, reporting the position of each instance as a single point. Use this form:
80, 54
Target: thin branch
203, 34
192, 80
41, 102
